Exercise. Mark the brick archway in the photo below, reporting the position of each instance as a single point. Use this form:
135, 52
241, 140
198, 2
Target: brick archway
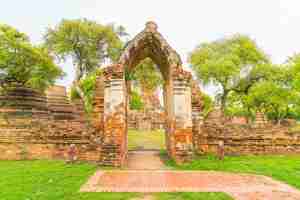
177, 98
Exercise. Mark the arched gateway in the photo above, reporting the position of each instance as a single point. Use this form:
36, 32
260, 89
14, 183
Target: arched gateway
177, 98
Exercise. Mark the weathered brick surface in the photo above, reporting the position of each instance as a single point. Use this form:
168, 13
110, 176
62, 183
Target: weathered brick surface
257, 138
98, 106
146, 121
239, 186
114, 145
34, 128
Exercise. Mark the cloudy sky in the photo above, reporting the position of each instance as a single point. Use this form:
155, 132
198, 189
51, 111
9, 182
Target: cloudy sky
274, 24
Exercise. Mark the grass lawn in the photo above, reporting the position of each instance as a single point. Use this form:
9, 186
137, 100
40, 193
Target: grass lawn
146, 139
191, 196
55, 180
283, 168
49, 180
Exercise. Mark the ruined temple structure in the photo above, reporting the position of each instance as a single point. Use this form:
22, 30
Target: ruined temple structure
258, 138
38, 126
260, 120
177, 98
24, 122
145, 121
34, 125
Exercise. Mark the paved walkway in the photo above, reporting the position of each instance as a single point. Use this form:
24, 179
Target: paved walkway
149, 176
241, 187
144, 160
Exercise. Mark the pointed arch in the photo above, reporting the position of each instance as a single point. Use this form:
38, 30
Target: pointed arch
150, 43
176, 91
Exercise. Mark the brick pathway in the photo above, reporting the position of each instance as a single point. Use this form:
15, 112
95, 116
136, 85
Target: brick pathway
241, 187
144, 160
146, 173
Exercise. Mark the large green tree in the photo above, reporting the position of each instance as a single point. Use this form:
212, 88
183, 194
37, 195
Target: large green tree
149, 79
233, 63
275, 100
87, 43
276, 95
147, 75
293, 64
23, 63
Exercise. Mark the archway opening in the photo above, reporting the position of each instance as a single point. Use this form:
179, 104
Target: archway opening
146, 117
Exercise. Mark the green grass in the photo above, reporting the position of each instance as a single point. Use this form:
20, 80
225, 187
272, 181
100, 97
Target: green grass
146, 139
49, 180
283, 168
192, 196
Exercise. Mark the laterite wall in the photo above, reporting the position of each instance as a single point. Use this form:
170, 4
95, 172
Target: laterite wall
44, 126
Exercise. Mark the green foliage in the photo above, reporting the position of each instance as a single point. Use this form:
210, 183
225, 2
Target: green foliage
208, 104
229, 63
192, 196
293, 75
23, 63
48, 180
86, 42
88, 86
238, 106
275, 95
270, 98
147, 75
136, 102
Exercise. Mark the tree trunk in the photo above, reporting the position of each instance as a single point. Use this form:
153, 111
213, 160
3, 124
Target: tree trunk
223, 101
78, 76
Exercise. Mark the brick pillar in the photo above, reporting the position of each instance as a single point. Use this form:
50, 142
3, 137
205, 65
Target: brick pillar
98, 106
180, 131
114, 147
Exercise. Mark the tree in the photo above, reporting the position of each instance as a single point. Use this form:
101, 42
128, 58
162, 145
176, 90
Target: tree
136, 102
263, 95
272, 99
232, 63
147, 75
23, 63
88, 86
149, 79
88, 44
293, 75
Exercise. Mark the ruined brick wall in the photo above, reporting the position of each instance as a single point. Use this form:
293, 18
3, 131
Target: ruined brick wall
150, 121
33, 128
247, 139
114, 146
98, 106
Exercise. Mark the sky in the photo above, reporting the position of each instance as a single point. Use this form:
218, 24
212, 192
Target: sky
273, 24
